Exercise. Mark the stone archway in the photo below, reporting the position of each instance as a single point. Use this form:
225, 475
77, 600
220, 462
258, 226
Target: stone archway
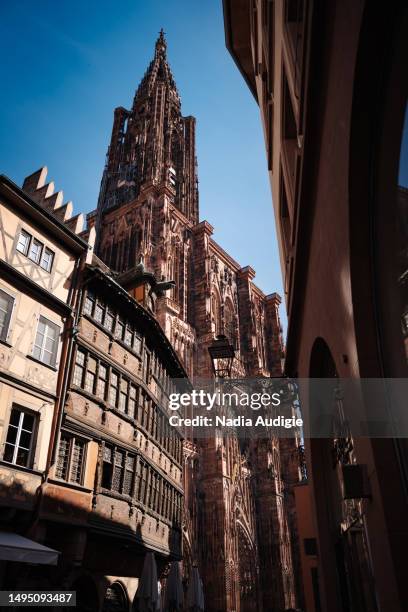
247, 574
343, 545
86, 594
115, 599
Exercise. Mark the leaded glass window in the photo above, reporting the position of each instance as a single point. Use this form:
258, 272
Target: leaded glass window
71, 458
113, 389
123, 395
102, 378
89, 303
128, 475
118, 471
90, 375
79, 368
98, 316
132, 402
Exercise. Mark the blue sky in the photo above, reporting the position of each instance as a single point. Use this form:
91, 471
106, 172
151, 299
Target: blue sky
71, 63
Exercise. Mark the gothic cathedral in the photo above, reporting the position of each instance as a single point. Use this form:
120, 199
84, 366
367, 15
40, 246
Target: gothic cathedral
238, 524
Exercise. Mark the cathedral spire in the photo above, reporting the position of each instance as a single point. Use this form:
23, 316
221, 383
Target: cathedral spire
152, 144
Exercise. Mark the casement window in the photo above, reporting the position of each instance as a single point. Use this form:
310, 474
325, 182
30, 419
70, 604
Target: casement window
99, 311
107, 467
46, 342
141, 493
113, 389
109, 320
96, 378
137, 343
23, 242
79, 368
123, 395
128, 476
119, 329
6, 309
118, 470
151, 490
128, 337
90, 375
106, 316
132, 402
20, 441
89, 304
71, 458
35, 250
47, 259
102, 380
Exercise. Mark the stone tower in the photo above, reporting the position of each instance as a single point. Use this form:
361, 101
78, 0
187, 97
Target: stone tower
148, 212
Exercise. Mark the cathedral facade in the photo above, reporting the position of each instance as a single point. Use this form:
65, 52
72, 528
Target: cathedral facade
238, 526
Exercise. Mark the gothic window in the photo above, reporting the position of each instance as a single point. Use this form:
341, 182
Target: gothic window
172, 176
247, 579
173, 267
135, 246
113, 256
215, 313
230, 323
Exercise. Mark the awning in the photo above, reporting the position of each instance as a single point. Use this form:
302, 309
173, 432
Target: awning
14, 547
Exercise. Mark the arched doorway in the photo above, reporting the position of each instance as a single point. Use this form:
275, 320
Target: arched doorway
343, 549
115, 599
248, 592
87, 599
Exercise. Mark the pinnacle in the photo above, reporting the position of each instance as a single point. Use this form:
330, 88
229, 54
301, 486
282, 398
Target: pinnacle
161, 44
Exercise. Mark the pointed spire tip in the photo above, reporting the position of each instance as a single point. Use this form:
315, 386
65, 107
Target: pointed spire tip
161, 44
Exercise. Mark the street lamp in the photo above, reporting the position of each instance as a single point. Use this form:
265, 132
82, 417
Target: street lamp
222, 355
